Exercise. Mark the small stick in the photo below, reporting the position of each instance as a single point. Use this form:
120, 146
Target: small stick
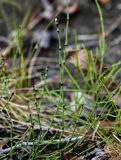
56, 141
113, 26
116, 41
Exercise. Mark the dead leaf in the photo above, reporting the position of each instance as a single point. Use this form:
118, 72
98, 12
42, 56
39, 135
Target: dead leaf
80, 59
73, 6
77, 58
104, 1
